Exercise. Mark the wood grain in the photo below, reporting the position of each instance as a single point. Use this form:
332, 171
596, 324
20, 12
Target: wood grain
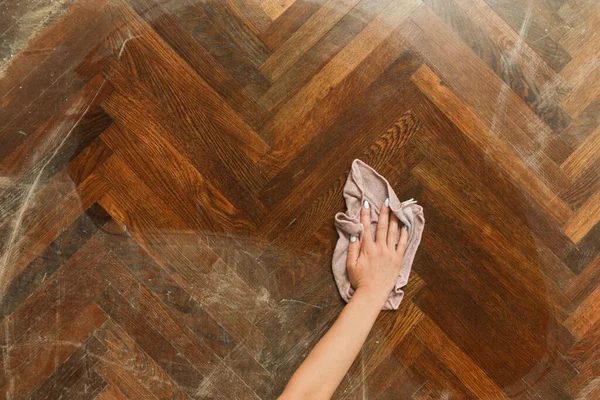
170, 171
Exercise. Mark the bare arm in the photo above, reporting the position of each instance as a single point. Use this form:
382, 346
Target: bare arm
373, 267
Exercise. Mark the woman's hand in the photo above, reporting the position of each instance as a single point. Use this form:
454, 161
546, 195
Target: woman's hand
374, 265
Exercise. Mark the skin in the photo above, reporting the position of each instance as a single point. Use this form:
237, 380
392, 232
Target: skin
373, 267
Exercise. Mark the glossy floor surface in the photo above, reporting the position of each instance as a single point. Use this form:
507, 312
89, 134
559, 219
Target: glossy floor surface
170, 171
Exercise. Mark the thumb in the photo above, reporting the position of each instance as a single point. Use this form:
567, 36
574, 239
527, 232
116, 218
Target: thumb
353, 251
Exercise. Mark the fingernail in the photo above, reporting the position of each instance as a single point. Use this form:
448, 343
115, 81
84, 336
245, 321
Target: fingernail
352, 238
366, 205
405, 227
387, 202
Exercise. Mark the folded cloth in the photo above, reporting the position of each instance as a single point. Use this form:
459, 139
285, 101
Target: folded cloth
364, 183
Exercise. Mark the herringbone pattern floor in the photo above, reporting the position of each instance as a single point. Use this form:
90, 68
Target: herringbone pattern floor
170, 171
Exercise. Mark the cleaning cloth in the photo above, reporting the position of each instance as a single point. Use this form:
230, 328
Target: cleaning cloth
364, 183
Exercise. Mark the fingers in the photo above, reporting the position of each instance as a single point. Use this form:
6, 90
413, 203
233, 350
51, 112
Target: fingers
392, 236
402, 243
365, 219
353, 251
383, 223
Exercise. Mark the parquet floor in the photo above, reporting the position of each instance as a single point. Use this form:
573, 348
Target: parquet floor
170, 171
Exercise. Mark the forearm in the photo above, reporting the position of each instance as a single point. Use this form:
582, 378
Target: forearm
325, 367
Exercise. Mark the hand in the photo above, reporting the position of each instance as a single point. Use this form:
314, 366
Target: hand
373, 266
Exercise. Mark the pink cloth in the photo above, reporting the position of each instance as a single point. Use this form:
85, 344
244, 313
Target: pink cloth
364, 183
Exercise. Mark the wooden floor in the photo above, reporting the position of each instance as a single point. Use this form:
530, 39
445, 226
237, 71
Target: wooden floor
170, 171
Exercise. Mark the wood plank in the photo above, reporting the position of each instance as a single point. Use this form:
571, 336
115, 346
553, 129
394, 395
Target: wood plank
231, 57
498, 45
321, 53
528, 20
69, 372
183, 91
446, 141
583, 94
586, 281
498, 151
441, 382
584, 18
25, 98
305, 37
371, 40
203, 63
252, 14
586, 383
173, 364
586, 154
132, 369
585, 316
23, 247
31, 339
582, 126
89, 385
88, 160
28, 378
454, 359
72, 128
274, 8
177, 249
190, 346
226, 19
586, 350
481, 90
584, 186
521, 303
111, 393
584, 220
49, 262
201, 204
289, 22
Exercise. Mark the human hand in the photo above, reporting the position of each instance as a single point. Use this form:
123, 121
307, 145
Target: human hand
373, 265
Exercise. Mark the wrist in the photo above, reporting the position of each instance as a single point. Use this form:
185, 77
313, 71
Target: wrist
375, 298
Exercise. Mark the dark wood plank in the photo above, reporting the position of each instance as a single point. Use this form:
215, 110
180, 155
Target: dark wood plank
195, 350
178, 250
454, 359
43, 302
520, 17
149, 339
69, 373
585, 283
507, 157
53, 353
218, 44
582, 126
319, 144
228, 22
205, 65
46, 264
321, 53
288, 23
525, 132
27, 91
309, 33
444, 142
495, 45
88, 386
131, 369
170, 204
